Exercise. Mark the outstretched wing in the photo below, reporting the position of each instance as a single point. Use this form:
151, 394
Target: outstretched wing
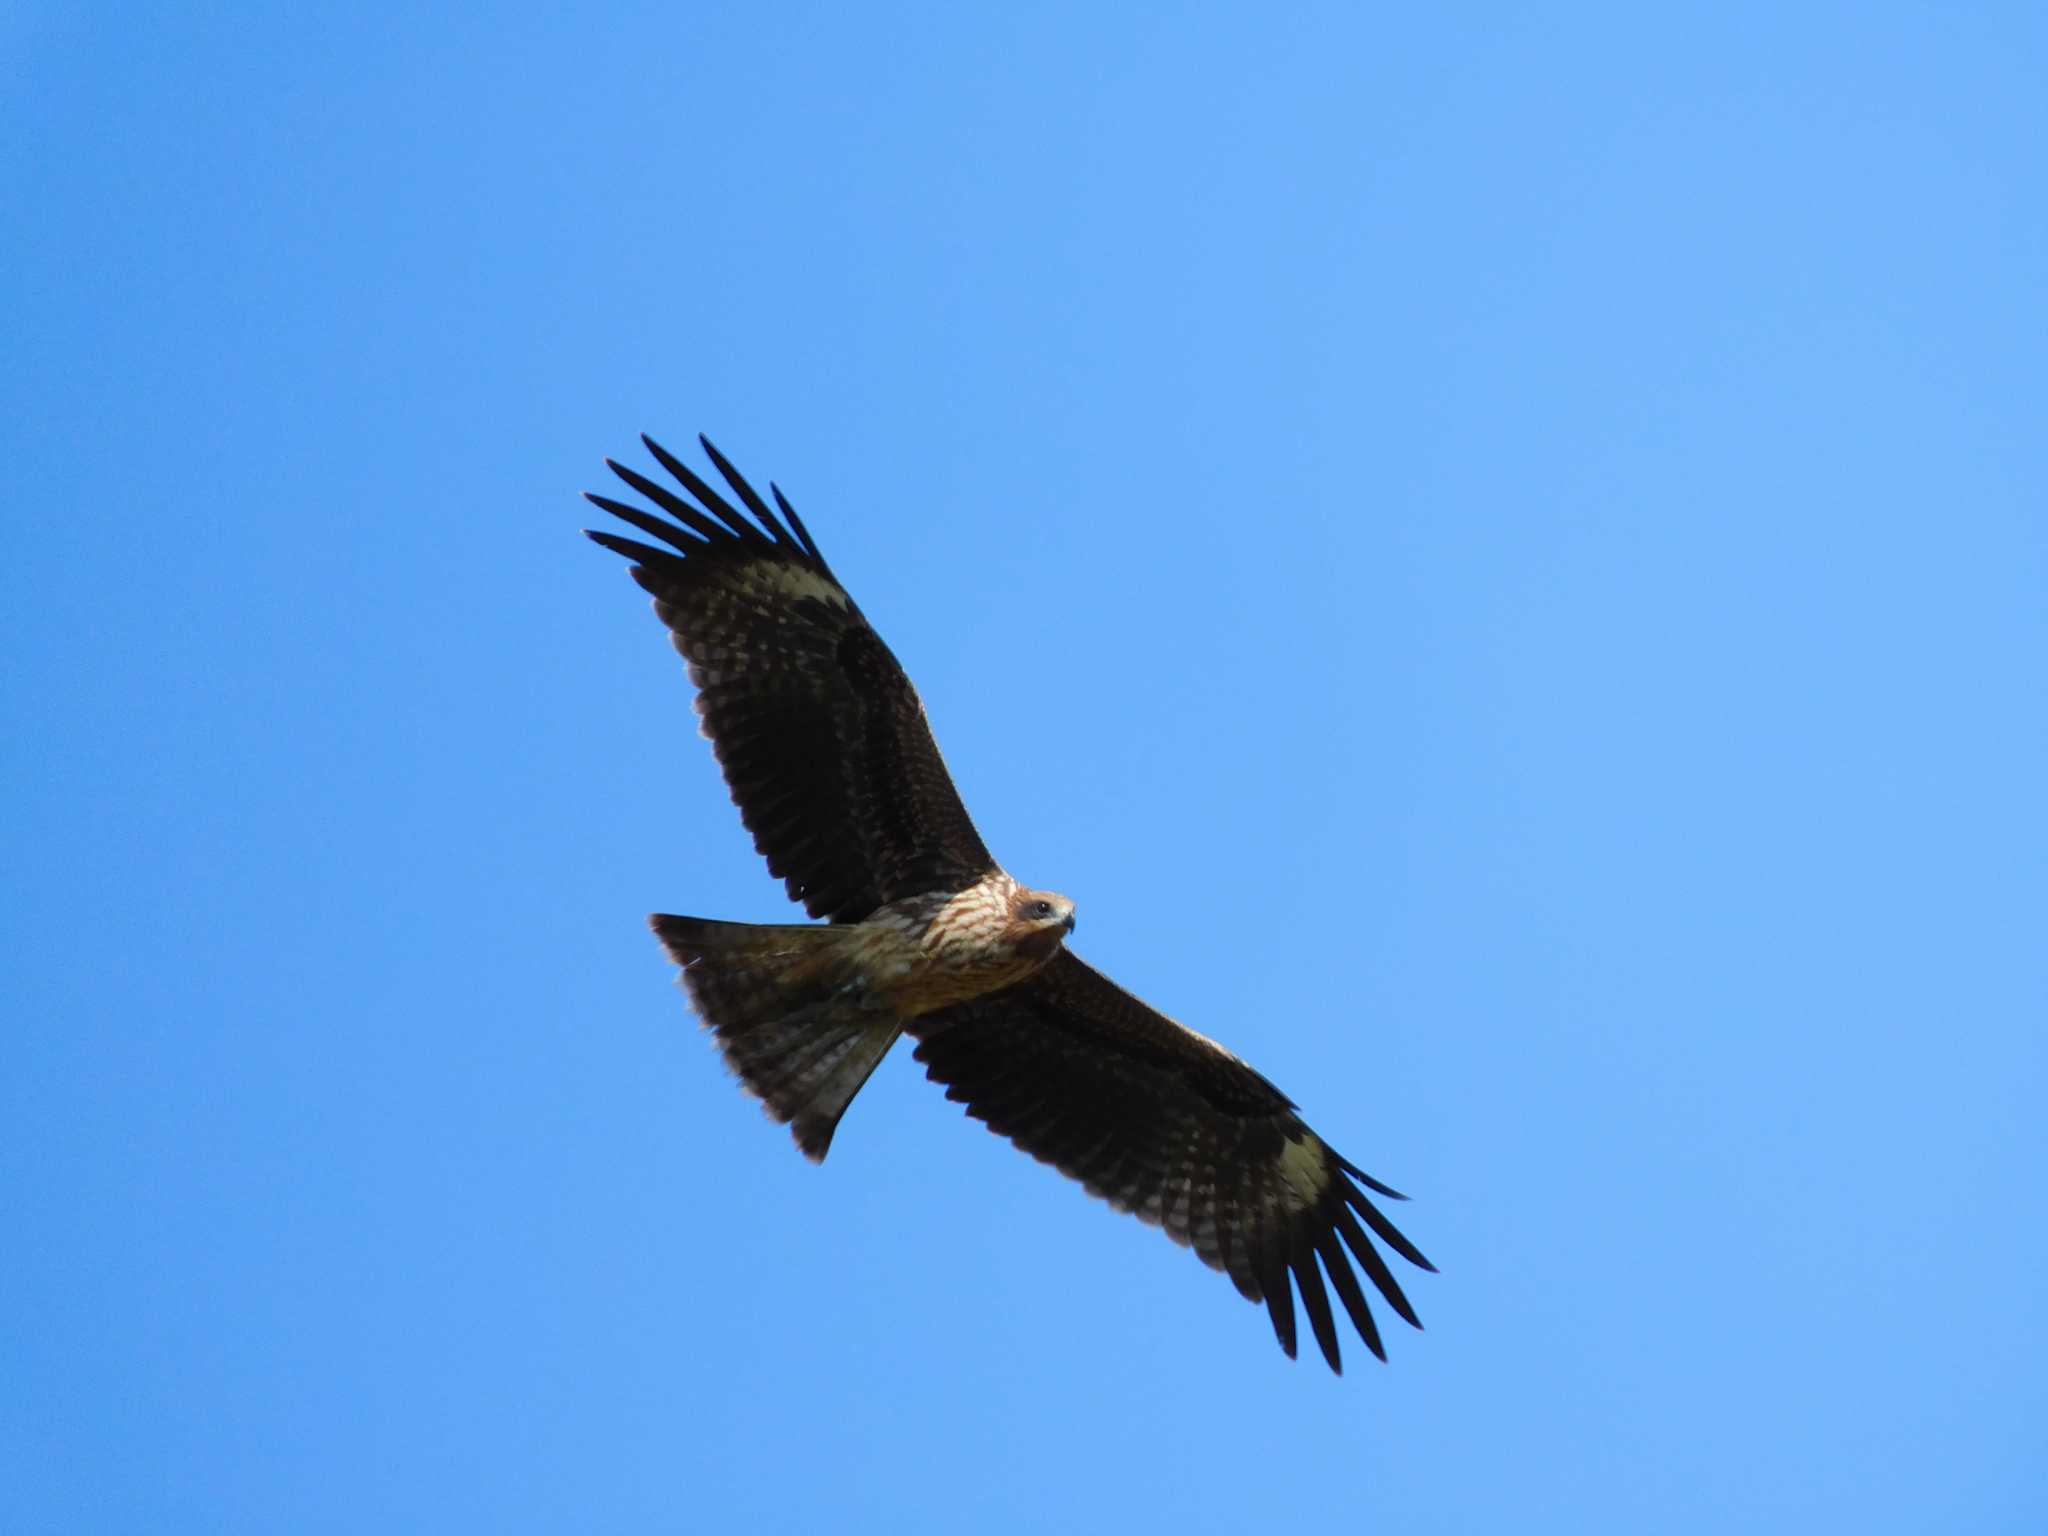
821, 737
1168, 1125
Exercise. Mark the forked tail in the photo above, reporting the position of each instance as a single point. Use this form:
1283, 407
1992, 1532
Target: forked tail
790, 1012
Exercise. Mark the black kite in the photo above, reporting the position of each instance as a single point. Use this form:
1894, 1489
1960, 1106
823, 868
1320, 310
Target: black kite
825, 748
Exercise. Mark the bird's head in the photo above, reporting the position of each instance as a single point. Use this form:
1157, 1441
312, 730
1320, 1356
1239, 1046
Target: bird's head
1040, 921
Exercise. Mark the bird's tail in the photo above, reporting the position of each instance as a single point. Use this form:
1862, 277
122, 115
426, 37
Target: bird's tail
789, 1010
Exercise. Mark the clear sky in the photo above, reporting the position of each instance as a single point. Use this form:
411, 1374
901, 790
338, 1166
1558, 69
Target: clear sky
1499, 553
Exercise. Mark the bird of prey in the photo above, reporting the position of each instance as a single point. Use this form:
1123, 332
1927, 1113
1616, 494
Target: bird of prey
824, 746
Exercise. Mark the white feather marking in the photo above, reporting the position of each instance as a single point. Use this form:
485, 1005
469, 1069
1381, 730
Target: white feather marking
1304, 1173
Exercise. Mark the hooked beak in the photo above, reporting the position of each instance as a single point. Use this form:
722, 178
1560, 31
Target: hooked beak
1069, 924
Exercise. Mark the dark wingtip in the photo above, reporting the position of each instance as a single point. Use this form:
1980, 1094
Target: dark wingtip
1388, 1233
698, 487
648, 562
613, 542
1279, 1288
1315, 1299
745, 491
625, 472
1330, 1249
797, 527
1368, 1180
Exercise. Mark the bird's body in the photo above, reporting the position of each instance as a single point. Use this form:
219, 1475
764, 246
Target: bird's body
951, 947
825, 746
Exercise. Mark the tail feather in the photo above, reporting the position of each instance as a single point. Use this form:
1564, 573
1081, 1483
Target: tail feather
790, 1012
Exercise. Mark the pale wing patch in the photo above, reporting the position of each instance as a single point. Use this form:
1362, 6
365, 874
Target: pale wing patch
1304, 1173
795, 581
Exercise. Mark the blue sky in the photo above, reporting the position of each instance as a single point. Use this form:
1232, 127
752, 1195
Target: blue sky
1501, 558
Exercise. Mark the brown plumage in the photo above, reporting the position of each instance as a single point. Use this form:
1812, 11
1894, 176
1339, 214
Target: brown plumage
824, 745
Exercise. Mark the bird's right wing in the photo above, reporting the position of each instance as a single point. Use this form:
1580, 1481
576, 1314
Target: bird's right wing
821, 737
1168, 1125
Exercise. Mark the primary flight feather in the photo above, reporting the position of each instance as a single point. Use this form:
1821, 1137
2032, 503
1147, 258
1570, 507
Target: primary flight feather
824, 745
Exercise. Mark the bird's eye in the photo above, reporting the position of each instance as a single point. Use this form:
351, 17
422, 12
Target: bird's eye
1041, 909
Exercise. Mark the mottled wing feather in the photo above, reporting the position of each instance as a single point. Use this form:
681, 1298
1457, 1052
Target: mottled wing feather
1168, 1125
821, 737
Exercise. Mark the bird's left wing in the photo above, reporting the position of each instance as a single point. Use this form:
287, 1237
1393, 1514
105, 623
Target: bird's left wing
1168, 1125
